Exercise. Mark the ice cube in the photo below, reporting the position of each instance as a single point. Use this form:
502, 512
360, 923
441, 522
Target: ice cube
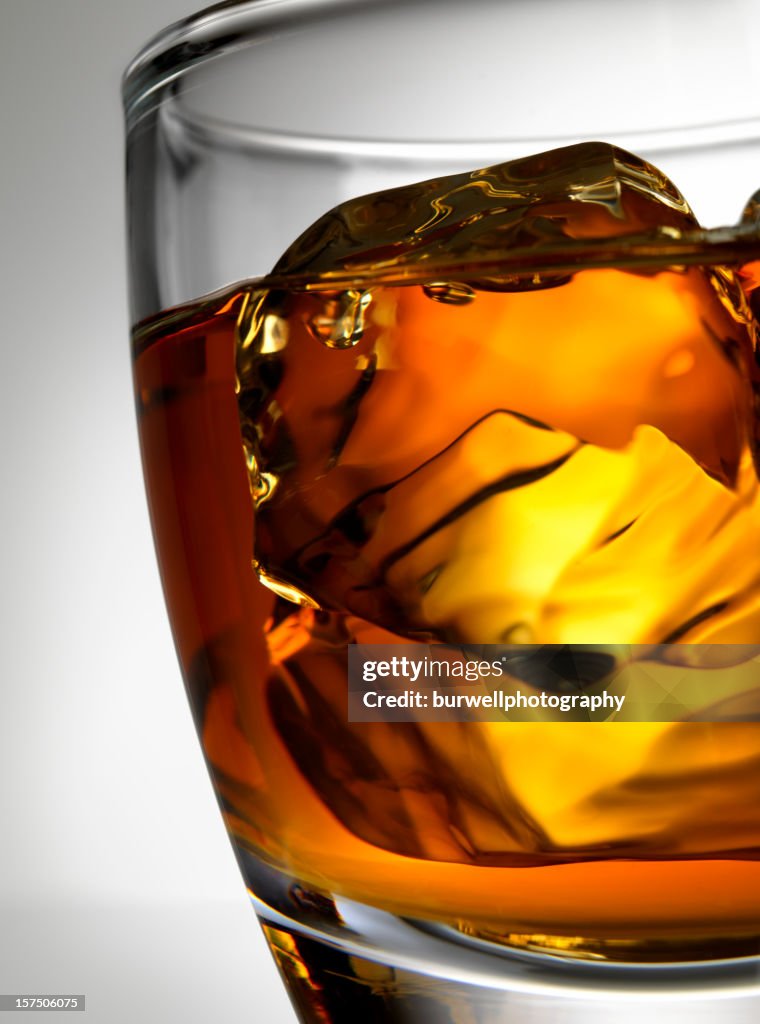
511, 217
501, 410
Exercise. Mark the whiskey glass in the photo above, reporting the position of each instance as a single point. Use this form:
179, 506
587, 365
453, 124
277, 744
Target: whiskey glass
289, 386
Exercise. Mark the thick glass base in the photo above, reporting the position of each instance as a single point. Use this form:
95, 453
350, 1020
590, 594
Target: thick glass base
346, 962
331, 985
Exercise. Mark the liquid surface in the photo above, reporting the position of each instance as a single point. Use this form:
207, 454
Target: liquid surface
558, 448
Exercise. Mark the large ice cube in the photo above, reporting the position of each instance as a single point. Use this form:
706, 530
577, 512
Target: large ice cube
547, 436
511, 405
513, 217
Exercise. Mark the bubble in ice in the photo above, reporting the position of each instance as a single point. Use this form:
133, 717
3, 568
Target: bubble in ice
340, 321
451, 293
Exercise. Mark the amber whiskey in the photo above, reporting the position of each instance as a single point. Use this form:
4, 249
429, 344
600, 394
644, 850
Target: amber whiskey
513, 406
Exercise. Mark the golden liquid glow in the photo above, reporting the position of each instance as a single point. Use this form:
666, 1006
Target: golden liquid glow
562, 458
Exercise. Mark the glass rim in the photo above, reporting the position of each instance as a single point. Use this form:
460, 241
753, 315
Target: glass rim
211, 32
233, 25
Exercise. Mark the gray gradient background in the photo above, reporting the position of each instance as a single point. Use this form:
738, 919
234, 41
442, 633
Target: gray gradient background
116, 879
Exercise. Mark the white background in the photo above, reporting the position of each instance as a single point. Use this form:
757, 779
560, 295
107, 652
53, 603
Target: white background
116, 876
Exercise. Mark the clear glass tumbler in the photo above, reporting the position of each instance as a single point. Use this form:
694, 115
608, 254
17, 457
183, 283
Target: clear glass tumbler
444, 328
